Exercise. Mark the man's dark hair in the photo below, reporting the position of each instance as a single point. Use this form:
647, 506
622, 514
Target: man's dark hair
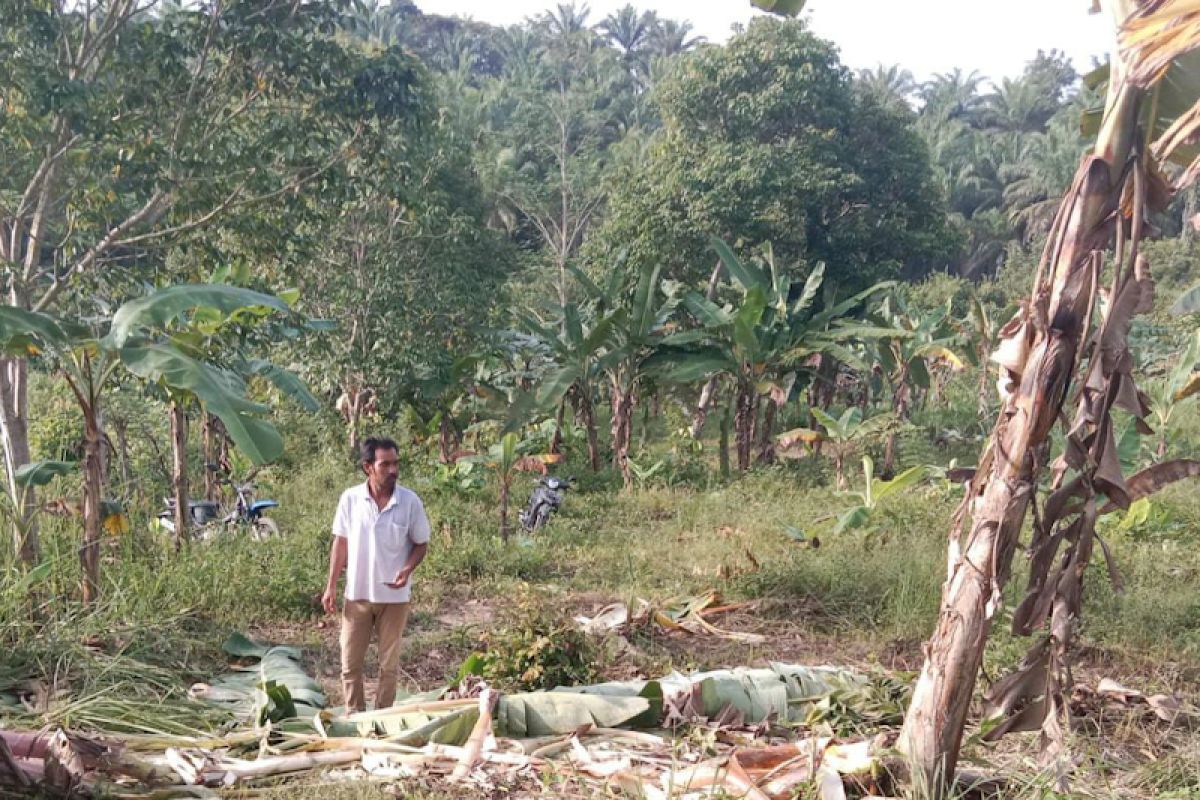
366, 451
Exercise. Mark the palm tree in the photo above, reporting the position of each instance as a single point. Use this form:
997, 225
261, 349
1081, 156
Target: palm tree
374, 21
1037, 179
670, 38
953, 94
891, 86
565, 19
1017, 105
630, 31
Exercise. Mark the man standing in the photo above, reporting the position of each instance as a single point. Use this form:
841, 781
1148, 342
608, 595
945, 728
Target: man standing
380, 535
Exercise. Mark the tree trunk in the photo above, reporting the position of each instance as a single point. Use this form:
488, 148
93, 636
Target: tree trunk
723, 446
710, 386
557, 440
1014, 458
208, 432
504, 509
89, 554
588, 411
900, 404
448, 439
700, 415
622, 424
743, 423
179, 473
839, 467
14, 435
984, 388
766, 436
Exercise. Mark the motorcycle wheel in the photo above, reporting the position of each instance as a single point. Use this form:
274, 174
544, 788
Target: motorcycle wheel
541, 518
265, 528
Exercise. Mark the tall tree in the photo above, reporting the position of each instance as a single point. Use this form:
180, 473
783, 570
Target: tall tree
820, 171
553, 120
128, 126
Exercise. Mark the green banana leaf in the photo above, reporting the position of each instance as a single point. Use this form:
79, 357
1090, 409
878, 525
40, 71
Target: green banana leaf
40, 473
239, 645
221, 392
787, 692
275, 688
549, 713
162, 307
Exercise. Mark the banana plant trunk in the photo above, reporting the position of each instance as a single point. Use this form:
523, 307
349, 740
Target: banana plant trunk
709, 391
121, 428
766, 435
179, 472
1013, 460
900, 407
588, 411
556, 441
208, 433
723, 444
984, 388
622, 430
745, 410
449, 440
504, 488
93, 475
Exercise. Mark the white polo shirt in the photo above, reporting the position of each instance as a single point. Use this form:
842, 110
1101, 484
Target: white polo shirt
378, 543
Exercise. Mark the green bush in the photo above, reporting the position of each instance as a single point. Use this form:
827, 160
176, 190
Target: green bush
537, 646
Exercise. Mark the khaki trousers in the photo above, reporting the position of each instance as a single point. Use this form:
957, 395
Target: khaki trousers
359, 619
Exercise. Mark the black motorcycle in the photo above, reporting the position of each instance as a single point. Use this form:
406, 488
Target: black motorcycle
209, 518
546, 498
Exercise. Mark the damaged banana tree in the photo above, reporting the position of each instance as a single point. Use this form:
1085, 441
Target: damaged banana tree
1067, 345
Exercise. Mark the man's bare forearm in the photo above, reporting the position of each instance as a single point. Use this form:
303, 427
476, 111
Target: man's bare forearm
337, 561
416, 556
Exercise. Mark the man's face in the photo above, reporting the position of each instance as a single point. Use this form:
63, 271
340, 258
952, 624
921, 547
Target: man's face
382, 473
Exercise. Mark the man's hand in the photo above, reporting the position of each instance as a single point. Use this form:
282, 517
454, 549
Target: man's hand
401, 579
329, 601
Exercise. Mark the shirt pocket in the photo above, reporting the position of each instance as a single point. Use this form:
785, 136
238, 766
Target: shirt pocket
394, 535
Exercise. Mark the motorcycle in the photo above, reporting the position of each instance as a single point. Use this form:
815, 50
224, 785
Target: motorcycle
546, 499
208, 519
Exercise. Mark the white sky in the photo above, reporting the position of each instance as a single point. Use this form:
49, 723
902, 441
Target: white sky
925, 36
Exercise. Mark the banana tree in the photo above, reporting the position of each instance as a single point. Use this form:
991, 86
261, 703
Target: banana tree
224, 340
24, 480
137, 342
1062, 337
842, 436
763, 343
1167, 395
909, 357
639, 322
505, 459
874, 492
576, 340
440, 397
981, 329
